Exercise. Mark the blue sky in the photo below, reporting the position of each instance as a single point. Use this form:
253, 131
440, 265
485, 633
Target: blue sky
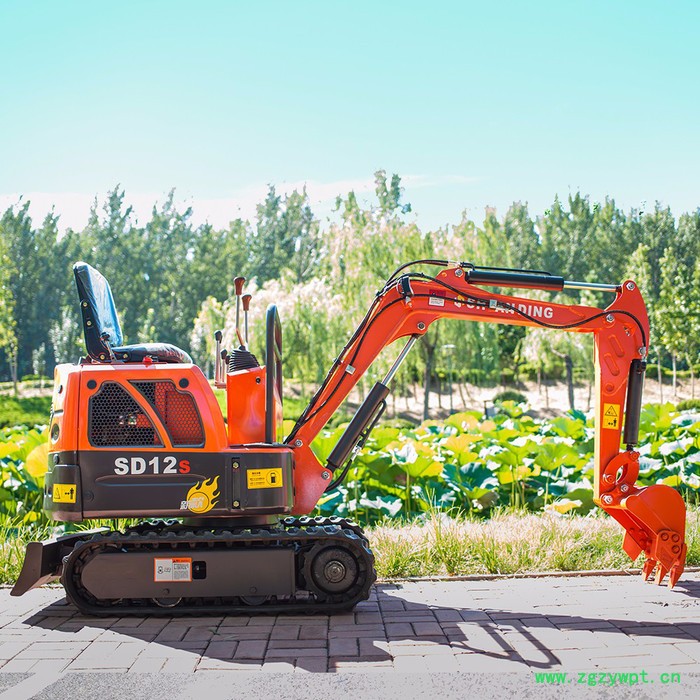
474, 104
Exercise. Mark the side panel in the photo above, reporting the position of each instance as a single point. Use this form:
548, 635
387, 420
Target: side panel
204, 572
245, 397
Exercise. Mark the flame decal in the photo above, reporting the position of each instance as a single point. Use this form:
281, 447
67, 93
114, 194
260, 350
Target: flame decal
202, 497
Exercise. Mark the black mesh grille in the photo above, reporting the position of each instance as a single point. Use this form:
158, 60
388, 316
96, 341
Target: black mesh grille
176, 410
117, 420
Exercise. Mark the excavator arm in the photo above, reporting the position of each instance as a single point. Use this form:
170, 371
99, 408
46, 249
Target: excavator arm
653, 517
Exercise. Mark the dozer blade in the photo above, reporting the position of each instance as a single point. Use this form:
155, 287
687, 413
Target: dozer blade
43, 560
654, 522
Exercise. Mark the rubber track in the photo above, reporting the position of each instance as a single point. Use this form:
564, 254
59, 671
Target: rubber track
302, 534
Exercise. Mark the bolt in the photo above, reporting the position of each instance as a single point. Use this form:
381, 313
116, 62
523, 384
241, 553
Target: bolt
675, 549
325, 475
458, 272
643, 351
421, 326
624, 488
298, 443
664, 536
607, 498
630, 286
236, 465
88, 323
609, 318
236, 504
609, 478
676, 537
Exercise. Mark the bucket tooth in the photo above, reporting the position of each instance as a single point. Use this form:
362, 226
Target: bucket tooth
660, 573
648, 568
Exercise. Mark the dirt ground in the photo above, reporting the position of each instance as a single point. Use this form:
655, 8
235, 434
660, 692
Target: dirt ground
550, 399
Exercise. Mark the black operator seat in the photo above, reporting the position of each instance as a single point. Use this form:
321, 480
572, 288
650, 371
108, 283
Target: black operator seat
101, 324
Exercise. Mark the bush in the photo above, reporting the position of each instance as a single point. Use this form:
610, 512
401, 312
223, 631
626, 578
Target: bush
509, 395
688, 405
653, 371
26, 411
36, 378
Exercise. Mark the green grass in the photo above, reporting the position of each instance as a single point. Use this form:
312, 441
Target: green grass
508, 543
24, 411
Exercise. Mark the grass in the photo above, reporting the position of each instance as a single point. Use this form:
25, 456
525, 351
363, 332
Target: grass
508, 543
29, 411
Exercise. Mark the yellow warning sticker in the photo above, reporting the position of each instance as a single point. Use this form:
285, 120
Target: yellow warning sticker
265, 478
64, 493
611, 415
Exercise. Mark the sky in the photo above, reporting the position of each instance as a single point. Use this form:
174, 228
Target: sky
474, 104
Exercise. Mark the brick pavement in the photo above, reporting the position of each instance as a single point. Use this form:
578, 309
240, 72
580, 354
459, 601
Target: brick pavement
526, 625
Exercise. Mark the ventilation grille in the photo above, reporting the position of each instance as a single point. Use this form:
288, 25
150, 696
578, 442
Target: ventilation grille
117, 420
177, 412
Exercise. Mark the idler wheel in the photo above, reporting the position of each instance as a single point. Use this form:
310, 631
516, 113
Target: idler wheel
331, 570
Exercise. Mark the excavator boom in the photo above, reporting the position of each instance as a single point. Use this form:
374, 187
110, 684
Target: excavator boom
653, 517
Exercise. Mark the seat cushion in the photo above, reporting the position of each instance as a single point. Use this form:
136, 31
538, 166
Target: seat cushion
160, 352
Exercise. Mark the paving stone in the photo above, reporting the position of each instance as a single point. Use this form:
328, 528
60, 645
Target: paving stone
311, 664
198, 634
146, 664
297, 644
250, 649
357, 631
221, 650
8, 650
279, 666
313, 632
374, 647
398, 629
294, 653
18, 666
285, 632
368, 618
427, 629
187, 665
343, 647
509, 626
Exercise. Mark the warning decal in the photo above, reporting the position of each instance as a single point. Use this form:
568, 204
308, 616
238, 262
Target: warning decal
179, 569
265, 478
437, 297
611, 415
64, 493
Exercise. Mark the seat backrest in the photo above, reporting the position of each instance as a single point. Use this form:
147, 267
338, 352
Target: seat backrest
100, 319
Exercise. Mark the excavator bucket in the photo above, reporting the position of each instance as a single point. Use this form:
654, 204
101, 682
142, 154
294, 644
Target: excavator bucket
654, 522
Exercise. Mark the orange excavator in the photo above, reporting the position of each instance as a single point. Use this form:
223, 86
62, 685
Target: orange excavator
136, 432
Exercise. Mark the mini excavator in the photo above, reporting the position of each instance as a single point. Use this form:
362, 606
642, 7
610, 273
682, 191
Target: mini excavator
136, 432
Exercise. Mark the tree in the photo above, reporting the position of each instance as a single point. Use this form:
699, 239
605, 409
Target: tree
8, 338
524, 250
677, 310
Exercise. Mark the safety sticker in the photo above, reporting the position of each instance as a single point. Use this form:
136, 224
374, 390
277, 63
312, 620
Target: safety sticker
179, 569
265, 478
64, 493
437, 297
611, 415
